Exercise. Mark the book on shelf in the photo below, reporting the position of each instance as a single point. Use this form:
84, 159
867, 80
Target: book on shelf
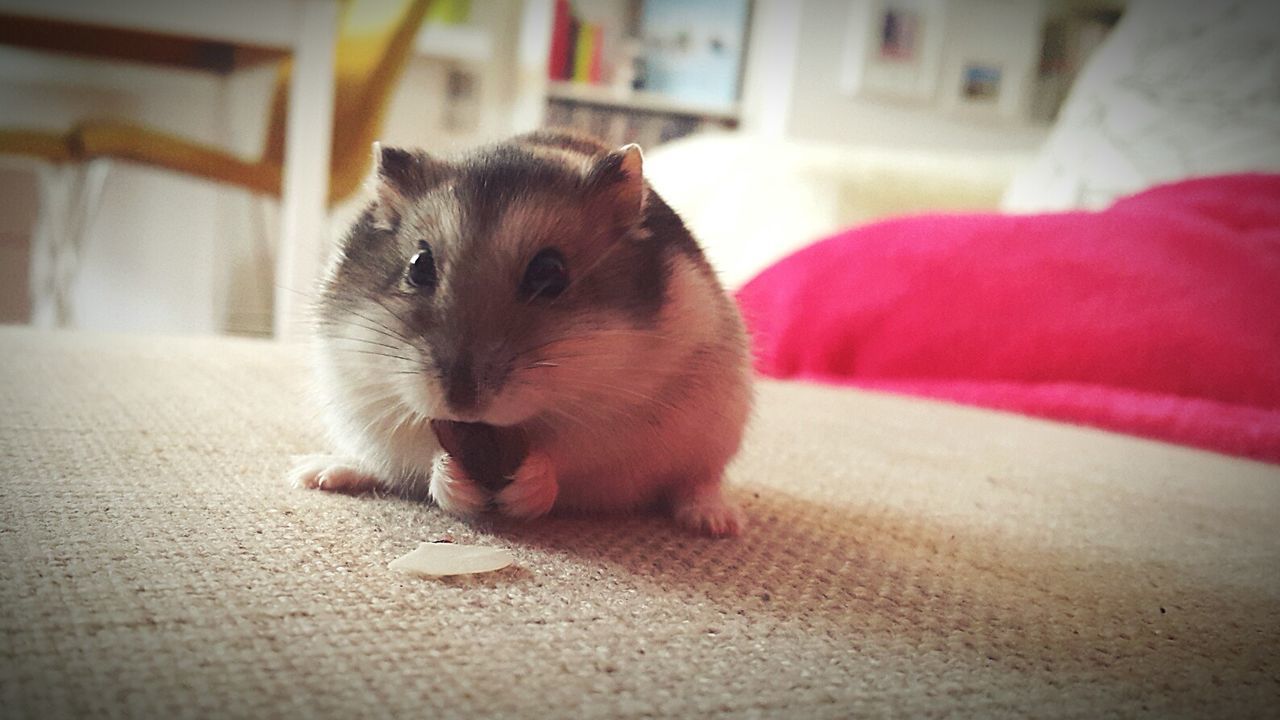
586, 47
577, 47
595, 70
558, 67
578, 96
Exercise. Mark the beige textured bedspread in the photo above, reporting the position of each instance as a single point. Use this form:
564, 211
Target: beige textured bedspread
904, 557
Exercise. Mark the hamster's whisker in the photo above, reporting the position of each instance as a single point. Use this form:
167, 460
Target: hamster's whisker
619, 390
581, 408
394, 405
589, 409
631, 333
570, 416
313, 296
584, 356
381, 324
410, 417
387, 334
350, 344
380, 328
376, 353
590, 269
374, 402
589, 335
568, 353
310, 315
393, 313
535, 348
363, 341
337, 330
382, 417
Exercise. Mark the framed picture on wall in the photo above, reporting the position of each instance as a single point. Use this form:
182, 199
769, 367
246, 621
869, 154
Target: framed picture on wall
981, 88
980, 82
990, 62
893, 49
899, 33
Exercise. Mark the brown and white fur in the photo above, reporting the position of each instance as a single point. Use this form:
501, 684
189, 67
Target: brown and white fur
632, 385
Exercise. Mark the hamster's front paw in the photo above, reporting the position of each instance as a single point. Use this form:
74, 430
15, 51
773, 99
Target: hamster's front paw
332, 474
455, 492
704, 510
532, 491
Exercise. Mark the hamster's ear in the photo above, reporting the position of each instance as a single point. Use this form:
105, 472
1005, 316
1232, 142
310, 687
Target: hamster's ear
403, 174
620, 174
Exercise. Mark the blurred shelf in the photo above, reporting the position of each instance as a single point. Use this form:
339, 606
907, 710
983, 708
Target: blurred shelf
465, 43
637, 101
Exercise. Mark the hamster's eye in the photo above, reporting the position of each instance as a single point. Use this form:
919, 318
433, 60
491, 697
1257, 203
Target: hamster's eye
546, 276
422, 268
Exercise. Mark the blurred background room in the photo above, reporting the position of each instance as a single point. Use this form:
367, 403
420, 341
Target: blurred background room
181, 167
1063, 214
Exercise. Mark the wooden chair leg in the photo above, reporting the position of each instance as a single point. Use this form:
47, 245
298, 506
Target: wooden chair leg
51, 222
69, 199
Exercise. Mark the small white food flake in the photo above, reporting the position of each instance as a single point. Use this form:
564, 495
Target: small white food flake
441, 559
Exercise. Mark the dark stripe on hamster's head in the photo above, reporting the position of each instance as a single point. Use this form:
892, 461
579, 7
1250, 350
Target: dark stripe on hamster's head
497, 179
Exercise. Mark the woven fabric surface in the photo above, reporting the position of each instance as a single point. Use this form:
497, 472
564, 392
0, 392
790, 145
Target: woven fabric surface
904, 557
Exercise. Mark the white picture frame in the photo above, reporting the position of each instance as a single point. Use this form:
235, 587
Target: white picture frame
990, 65
893, 49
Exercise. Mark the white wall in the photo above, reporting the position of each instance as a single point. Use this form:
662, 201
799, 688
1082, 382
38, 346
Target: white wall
821, 111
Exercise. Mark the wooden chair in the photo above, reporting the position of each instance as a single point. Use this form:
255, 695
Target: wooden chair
374, 42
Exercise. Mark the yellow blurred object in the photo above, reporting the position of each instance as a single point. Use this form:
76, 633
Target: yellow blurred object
450, 12
47, 146
374, 41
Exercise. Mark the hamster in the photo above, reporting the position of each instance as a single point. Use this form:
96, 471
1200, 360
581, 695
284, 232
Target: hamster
539, 288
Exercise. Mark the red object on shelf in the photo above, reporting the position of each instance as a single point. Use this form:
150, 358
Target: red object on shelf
560, 61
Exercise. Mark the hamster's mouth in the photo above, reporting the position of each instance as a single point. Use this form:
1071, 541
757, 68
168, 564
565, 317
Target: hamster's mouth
490, 454
498, 412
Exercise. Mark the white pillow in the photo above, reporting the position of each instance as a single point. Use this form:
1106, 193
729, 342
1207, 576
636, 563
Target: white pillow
1180, 88
751, 201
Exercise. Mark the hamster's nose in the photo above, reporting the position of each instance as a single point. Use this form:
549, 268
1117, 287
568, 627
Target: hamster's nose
461, 390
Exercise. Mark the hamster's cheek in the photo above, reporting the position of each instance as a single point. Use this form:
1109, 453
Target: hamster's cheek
513, 406
422, 393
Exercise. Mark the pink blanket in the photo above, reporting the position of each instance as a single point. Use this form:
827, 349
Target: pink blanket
1159, 316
